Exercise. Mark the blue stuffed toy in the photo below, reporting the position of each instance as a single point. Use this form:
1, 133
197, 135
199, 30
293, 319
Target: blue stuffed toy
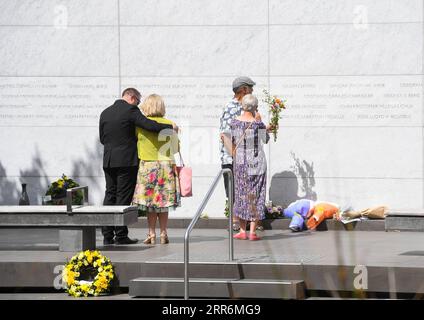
298, 212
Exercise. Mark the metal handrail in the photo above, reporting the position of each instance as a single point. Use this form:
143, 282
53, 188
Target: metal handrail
197, 216
69, 197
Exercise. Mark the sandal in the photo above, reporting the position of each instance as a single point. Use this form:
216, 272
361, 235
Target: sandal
240, 236
253, 237
151, 239
164, 239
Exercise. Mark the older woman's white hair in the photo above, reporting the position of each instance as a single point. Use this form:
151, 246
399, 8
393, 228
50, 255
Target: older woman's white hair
249, 103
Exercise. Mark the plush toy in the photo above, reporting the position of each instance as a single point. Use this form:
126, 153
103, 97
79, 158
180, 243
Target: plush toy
298, 211
322, 210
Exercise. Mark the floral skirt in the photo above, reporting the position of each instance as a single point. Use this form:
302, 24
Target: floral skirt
157, 187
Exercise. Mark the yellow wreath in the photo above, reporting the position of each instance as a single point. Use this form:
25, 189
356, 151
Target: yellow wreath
89, 264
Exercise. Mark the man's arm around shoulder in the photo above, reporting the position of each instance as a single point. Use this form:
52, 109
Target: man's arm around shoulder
142, 122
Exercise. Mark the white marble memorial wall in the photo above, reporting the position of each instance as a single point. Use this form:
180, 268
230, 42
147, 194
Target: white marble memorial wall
350, 70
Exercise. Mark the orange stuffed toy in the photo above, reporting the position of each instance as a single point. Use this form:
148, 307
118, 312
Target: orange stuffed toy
321, 211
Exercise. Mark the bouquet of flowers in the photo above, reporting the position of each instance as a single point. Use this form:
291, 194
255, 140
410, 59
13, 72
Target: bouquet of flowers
56, 193
273, 212
275, 106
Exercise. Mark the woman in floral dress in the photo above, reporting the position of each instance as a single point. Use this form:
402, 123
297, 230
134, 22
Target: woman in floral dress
248, 137
157, 189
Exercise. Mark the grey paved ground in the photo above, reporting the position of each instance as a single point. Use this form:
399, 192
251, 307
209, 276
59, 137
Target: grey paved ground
327, 247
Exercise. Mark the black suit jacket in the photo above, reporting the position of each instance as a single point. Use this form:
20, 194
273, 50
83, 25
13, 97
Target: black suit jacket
117, 133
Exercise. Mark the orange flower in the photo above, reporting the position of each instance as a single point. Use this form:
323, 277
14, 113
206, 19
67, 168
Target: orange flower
278, 101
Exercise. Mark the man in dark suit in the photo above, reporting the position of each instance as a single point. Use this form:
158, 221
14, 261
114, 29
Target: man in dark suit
120, 158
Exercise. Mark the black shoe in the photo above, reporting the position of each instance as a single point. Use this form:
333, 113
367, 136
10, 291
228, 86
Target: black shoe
126, 241
108, 242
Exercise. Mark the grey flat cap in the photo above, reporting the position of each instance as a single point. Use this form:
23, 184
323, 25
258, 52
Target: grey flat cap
242, 81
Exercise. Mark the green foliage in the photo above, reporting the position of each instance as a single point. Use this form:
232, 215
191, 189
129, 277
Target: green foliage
142, 213
226, 210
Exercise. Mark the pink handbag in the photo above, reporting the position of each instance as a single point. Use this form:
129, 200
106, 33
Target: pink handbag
185, 177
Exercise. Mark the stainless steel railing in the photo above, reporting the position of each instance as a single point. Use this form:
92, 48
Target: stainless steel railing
69, 193
196, 218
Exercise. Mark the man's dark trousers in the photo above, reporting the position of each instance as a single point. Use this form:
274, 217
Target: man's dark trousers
120, 185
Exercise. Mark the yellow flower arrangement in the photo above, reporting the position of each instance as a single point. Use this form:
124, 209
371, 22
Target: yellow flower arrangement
92, 264
57, 192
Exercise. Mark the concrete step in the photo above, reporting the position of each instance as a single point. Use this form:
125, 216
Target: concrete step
405, 220
217, 288
223, 270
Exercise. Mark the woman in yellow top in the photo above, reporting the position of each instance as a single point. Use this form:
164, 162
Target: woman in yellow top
157, 187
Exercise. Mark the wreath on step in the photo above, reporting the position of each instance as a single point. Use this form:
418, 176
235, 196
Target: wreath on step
88, 273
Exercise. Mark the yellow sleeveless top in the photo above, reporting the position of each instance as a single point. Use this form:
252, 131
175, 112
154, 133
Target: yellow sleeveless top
153, 146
